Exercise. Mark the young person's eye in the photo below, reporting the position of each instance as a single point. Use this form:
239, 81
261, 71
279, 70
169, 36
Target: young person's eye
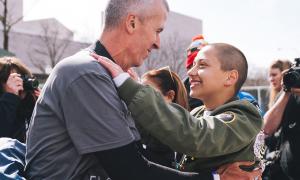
202, 65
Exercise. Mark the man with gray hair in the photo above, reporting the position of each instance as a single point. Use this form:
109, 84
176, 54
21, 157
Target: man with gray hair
80, 124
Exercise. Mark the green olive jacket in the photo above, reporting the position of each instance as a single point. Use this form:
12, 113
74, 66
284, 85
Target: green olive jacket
226, 136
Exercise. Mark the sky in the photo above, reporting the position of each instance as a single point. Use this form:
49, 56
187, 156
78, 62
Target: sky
263, 29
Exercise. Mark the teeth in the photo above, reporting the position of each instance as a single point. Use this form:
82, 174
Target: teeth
196, 83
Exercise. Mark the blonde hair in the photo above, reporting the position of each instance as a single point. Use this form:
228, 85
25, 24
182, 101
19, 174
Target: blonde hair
281, 64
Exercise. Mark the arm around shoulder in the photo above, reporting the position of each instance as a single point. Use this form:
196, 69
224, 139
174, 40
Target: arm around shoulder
126, 163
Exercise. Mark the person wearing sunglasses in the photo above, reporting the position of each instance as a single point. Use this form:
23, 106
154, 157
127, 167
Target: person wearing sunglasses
172, 89
16, 100
220, 136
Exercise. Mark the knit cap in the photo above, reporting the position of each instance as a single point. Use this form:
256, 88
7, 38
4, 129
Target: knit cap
197, 43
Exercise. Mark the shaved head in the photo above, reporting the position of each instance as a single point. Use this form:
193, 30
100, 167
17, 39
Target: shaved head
231, 58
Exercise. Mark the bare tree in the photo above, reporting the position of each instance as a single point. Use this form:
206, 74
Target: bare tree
50, 47
7, 22
171, 54
257, 76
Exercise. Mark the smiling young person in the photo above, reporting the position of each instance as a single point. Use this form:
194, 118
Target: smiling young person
219, 135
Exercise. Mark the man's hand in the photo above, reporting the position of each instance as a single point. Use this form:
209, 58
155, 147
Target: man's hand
112, 67
133, 74
14, 84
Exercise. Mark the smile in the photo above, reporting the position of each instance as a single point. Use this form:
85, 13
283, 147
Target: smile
194, 83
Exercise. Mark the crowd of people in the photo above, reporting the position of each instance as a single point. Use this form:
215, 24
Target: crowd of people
95, 119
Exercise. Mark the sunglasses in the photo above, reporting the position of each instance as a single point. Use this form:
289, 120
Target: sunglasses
169, 70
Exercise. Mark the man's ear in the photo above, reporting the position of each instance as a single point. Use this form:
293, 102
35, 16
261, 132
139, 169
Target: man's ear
231, 77
131, 23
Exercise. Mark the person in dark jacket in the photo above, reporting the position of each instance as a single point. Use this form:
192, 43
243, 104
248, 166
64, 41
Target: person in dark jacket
16, 101
169, 84
285, 113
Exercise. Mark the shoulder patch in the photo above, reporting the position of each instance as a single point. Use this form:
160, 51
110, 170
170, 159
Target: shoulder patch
226, 117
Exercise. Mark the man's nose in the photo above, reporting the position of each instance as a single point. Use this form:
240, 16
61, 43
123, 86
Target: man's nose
156, 44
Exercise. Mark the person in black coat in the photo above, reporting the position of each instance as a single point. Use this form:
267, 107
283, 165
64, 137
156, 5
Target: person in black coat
17, 98
285, 113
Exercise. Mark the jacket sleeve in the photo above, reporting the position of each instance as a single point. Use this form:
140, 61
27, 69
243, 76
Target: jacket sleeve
127, 163
174, 126
8, 112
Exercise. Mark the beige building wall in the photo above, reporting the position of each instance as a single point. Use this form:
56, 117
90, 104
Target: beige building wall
183, 26
31, 48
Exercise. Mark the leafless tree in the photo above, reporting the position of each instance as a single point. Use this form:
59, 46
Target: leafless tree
7, 22
50, 47
257, 76
172, 54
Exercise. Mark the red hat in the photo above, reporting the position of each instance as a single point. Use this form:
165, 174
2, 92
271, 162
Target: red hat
190, 59
197, 43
